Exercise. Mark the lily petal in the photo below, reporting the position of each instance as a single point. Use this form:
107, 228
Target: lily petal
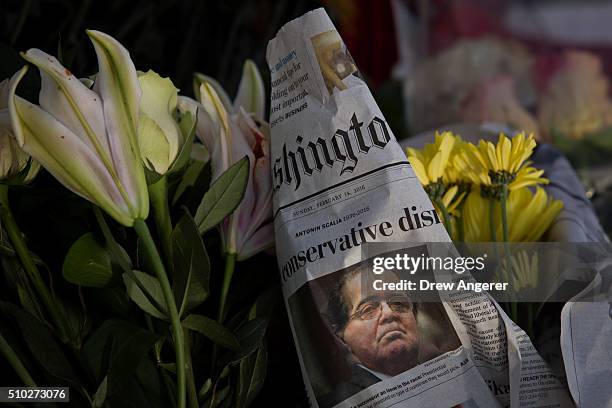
70, 102
217, 138
262, 239
260, 174
119, 88
251, 92
199, 79
64, 154
158, 133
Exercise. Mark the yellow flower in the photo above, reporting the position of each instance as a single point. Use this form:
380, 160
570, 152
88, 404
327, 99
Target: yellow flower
522, 273
529, 216
475, 219
430, 163
505, 163
435, 170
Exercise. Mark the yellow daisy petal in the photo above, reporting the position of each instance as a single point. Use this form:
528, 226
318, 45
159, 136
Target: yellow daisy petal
419, 170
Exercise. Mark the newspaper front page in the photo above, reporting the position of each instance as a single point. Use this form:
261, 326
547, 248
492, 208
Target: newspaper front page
342, 182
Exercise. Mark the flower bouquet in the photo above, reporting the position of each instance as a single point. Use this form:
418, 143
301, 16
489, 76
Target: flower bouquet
139, 311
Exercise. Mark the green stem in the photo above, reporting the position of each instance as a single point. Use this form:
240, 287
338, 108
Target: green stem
177, 331
192, 391
29, 267
230, 264
8, 353
504, 213
506, 239
158, 193
446, 216
492, 219
460, 224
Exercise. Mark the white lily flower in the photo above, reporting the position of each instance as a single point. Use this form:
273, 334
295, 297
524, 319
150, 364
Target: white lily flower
87, 139
231, 132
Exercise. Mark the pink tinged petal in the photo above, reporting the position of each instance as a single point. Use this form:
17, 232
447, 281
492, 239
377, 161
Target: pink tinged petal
70, 102
256, 207
223, 231
262, 210
242, 217
262, 239
214, 144
219, 134
254, 136
251, 92
120, 92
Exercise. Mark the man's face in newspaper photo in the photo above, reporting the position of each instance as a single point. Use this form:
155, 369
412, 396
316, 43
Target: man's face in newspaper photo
381, 330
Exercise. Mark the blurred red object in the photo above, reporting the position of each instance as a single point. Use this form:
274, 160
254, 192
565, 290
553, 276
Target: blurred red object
369, 34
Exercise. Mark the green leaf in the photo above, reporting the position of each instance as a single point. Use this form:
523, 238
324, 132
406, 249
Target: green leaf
7, 251
114, 300
145, 290
265, 303
187, 125
212, 330
150, 379
118, 255
17, 282
100, 395
219, 397
42, 344
223, 196
250, 335
191, 265
205, 390
151, 175
190, 176
252, 375
78, 324
88, 263
171, 367
115, 350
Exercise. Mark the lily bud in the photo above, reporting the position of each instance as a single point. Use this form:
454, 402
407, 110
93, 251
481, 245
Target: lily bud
87, 139
159, 135
16, 166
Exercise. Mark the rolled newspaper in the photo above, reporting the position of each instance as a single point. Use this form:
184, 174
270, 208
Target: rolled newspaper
342, 182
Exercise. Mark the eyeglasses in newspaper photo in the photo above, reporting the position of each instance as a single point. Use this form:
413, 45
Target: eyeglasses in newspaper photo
371, 308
